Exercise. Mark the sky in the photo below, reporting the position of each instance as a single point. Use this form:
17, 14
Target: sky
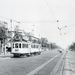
41, 16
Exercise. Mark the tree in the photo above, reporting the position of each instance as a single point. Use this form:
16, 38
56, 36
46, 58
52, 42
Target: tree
54, 46
44, 42
72, 46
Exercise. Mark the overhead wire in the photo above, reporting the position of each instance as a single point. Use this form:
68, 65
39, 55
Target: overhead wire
35, 21
50, 9
5, 17
26, 21
67, 26
10, 19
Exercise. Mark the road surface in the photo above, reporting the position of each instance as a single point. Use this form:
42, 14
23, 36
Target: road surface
40, 64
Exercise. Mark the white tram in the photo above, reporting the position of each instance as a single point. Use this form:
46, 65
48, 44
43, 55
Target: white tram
24, 48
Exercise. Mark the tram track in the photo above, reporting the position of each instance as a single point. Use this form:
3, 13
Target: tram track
42, 66
59, 64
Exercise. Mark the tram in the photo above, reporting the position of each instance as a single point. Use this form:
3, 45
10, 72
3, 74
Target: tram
22, 48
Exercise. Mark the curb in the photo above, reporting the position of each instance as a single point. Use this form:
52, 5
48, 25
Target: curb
67, 66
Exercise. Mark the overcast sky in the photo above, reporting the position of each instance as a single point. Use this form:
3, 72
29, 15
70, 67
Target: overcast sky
41, 16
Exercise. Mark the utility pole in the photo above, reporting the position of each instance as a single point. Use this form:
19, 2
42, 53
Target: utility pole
51, 46
11, 23
51, 43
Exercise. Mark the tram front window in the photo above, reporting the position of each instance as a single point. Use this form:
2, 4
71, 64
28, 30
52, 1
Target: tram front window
13, 45
19, 45
16, 45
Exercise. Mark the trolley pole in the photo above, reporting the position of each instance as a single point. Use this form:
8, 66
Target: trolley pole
11, 32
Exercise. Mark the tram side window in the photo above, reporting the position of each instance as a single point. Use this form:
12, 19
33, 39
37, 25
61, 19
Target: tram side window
16, 45
24, 45
32, 46
19, 45
36, 46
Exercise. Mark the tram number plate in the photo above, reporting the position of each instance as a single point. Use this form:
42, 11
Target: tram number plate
16, 49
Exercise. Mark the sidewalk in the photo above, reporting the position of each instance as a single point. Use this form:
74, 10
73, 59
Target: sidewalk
72, 61
69, 67
7, 54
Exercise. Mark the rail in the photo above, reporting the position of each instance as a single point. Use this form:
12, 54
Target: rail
55, 70
58, 70
42, 66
